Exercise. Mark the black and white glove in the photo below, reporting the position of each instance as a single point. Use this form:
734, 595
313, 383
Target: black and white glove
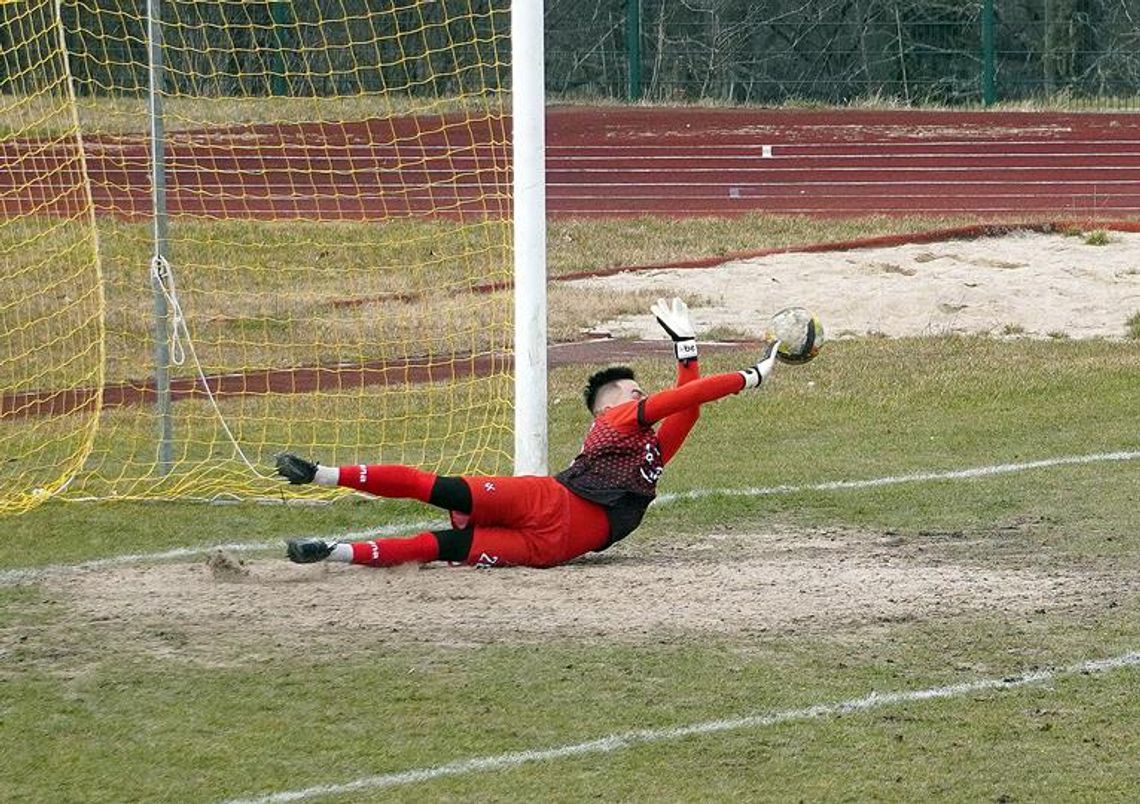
295, 469
755, 376
298, 471
674, 319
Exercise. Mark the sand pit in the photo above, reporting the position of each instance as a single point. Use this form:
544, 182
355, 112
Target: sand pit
1024, 284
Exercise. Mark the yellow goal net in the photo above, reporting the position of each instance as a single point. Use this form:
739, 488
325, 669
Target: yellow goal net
51, 304
247, 227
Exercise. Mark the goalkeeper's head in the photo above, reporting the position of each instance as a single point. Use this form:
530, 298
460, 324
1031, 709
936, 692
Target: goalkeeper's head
611, 387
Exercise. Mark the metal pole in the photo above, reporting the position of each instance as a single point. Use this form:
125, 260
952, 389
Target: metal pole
989, 82
633, 47
279, 16
529, 160
159, 263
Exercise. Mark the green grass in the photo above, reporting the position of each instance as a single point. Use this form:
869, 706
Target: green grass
268, 725
93, 713
42, 115
155, 705
45, 115
267, 294
943, 404
585, 245
1133, 326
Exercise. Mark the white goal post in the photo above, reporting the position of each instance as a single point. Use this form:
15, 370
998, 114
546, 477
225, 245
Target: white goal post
529, 133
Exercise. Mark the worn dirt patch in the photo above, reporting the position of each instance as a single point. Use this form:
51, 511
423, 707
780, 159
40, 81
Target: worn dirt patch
728, 584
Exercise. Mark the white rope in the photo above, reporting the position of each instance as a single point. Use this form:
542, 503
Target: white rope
163, 276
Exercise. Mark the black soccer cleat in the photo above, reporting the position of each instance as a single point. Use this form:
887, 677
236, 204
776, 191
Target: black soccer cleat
308, 551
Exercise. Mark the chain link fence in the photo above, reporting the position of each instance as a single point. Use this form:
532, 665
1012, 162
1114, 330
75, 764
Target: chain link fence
915, 52
1074, 53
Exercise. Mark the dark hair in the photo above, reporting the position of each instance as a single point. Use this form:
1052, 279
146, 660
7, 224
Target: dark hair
600, 379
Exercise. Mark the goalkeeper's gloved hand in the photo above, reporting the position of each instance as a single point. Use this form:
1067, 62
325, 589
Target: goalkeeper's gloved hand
756, 375
674, 319
295, 469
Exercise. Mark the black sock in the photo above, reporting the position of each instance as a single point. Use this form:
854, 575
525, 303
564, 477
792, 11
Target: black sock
451, 493
454, 545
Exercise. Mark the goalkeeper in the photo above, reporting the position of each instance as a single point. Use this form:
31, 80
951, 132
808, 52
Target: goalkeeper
544, 521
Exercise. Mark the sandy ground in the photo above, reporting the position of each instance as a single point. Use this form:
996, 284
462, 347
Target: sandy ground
1025, 285
722, 584
1031, 285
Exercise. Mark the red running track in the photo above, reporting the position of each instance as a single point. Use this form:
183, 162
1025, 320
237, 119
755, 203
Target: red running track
616, 162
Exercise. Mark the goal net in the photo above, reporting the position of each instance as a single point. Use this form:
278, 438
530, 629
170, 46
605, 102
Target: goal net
51, 305
315, 259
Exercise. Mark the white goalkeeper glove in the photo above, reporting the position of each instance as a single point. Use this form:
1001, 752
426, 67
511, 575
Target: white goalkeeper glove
298, 471
674, 319
756, 375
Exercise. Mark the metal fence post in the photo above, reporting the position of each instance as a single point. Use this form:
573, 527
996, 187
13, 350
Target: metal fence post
279, 16
989, 83
633, 47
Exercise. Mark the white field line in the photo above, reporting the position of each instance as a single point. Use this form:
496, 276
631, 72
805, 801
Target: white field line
632, 739
920, 477
32, 574
29, 575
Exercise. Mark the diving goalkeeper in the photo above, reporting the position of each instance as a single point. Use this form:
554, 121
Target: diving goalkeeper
544, 521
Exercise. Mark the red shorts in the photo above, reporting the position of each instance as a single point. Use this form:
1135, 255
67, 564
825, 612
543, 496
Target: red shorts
531, 522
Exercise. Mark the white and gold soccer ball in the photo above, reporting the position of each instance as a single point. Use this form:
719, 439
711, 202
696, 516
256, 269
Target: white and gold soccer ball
799, 332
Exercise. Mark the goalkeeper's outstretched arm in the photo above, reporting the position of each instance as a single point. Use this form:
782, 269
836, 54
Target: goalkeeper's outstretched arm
299, 471
658, 406
675, 428
674, 319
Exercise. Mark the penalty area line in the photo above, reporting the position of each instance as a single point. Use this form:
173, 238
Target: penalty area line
632, 739
918, 477
32, 574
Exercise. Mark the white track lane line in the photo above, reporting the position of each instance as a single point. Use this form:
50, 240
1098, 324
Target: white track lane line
632, 739
33, 574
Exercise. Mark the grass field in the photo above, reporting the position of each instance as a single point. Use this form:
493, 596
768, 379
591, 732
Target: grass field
147, 677
254, 290
906, 572
261, 296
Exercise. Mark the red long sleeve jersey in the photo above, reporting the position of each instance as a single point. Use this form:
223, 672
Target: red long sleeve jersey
623, 456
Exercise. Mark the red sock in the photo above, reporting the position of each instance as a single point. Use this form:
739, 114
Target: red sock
389, 480
418, 549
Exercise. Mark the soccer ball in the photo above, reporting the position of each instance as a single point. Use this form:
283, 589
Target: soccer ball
799, 332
